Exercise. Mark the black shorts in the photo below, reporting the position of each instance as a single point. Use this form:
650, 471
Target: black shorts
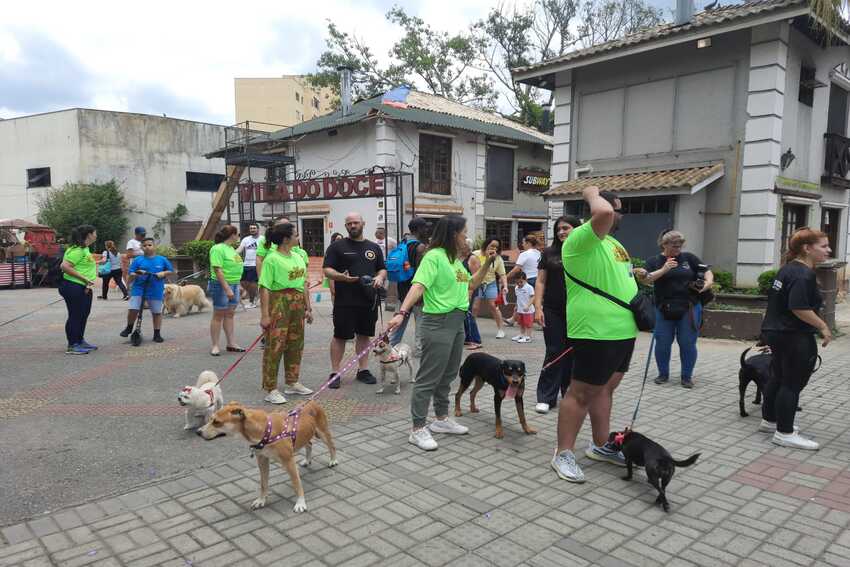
595, 361
354, 320
249, 274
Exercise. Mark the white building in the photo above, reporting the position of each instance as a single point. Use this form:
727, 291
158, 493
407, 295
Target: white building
158, 161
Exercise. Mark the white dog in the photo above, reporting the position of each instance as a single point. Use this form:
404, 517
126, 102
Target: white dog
179, 299
392, 358
201, 400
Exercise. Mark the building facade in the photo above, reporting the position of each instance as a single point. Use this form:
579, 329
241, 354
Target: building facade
159, 162
731, 127
275, 102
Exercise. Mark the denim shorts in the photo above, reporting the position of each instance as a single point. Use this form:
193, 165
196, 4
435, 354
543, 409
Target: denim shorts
155, 305
488, 291
219, 295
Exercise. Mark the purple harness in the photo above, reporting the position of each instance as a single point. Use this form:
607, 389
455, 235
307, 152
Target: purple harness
287, 431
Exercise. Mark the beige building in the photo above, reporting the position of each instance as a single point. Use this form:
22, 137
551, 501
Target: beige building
280, 101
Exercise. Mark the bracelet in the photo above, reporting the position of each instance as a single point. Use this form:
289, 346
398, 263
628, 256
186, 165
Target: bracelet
404, 313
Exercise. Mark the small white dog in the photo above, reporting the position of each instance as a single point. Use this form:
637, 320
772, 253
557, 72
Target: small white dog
201, 400
392, 358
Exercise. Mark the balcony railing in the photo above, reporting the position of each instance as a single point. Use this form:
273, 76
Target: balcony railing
837, 160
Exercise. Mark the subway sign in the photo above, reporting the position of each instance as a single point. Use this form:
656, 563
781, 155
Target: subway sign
532, 180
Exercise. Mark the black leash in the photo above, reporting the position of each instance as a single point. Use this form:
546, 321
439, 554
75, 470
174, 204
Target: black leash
645, 375
19, 317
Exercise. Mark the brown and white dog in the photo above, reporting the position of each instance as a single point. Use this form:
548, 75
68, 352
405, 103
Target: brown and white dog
179, 299
392, 358
201, 400
258, 427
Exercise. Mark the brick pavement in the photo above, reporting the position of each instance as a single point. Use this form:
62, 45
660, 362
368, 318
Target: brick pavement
483, 501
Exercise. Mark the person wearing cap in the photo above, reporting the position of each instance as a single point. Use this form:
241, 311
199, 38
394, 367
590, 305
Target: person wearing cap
134, 249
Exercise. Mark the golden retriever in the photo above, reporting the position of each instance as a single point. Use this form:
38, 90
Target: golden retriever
179, 299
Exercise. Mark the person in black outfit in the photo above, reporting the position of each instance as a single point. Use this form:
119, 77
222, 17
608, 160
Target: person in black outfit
550, 312
789, 327
678, 278
355, 309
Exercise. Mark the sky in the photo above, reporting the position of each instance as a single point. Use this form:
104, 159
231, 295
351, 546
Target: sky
180, 57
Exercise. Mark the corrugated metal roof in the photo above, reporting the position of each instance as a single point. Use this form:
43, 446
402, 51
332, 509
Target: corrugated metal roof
704, 19
668, 179
427, 109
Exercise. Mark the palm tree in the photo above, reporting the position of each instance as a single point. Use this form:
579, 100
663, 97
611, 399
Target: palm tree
829, 13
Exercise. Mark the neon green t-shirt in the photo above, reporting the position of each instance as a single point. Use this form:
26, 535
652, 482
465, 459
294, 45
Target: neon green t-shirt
83, 262
224, 256
262, 250
604, 264
446, 283
283, 272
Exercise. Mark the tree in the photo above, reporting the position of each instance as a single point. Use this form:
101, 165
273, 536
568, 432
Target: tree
101, 205
606, 20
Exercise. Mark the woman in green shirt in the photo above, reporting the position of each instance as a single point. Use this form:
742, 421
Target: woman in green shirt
444, 284
79, 274
225, 274
285, 304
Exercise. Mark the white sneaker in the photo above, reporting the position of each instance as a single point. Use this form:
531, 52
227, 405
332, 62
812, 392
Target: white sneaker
298, 388
794, 441
275, 397
500, 334
509, 322
251, 306
516, 338
541, 408
422, 439
770, 426
567, 468
448, 426
524, 340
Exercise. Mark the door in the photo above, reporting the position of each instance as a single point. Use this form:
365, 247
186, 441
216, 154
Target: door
793, 217
313, 236
837, 114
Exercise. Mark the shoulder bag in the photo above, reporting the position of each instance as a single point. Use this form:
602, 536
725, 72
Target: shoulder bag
641, 305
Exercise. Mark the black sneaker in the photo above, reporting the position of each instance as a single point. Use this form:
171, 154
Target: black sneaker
158, 338
366, 377
662, 379
126, 332
335, 384
687, 383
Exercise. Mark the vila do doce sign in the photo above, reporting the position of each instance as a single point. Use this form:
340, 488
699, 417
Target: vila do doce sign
344, 187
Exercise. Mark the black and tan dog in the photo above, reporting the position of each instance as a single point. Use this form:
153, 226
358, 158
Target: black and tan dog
258, 428
756, 369
507, 377
639, 450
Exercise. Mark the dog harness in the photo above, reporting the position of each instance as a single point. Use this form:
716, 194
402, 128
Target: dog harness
287, 431
208, 392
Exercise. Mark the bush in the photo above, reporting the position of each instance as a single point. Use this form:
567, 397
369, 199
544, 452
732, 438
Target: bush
766, 281
166, 250
199, 251
101, 205
723, 280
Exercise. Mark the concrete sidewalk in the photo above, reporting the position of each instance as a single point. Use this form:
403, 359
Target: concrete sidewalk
475, 501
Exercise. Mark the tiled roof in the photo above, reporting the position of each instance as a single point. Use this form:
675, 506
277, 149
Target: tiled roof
704, 19
427, 109
661, 180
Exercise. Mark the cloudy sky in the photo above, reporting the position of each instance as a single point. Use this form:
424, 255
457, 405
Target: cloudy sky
180, 57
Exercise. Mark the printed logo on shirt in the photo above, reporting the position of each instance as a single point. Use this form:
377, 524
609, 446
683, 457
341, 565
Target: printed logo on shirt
296, 273
777, 285
462, 276
620, 254
370, 254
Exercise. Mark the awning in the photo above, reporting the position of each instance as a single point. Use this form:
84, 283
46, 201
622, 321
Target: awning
685, 181
430, 210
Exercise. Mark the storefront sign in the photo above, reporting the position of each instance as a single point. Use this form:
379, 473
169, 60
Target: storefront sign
535, 181
344, 187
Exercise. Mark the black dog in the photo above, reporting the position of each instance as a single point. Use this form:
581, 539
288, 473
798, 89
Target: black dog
659, 465
755, 369
507, 378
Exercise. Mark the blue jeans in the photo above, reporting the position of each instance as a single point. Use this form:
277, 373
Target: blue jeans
470, 329
686, 331
78, 301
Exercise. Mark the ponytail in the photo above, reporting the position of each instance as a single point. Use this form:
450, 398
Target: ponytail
802, 237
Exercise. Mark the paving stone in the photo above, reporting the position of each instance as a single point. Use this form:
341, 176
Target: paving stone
437, 551
17, 533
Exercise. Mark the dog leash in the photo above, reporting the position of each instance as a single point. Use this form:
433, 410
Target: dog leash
554, 361
238, 360
642, 386
189, 277
19, 317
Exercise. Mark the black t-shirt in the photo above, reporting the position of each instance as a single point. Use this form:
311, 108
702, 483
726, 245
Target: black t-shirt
358, 258
795, 287
676, 283
555, 293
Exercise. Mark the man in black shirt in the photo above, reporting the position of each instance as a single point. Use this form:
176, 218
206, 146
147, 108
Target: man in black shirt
355, 310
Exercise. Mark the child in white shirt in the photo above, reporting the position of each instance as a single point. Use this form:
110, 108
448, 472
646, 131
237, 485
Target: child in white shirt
524, 308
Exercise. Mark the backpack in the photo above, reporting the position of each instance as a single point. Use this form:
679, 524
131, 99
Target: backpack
399, 267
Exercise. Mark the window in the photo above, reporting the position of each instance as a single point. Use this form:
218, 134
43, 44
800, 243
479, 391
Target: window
793, 217
315, 103
523, 229
806, 94
298, 115
499, 229
203, 181
830, 220
297, 96
38, 177
435, 164
629, 205
500, 173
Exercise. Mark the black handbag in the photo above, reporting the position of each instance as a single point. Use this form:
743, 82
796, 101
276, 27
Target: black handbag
674, 309
641, 305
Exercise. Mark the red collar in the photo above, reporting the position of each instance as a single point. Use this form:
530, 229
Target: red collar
209, 392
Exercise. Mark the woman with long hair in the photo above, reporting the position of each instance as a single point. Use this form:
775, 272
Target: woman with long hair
550, 312
494, 282
79, 274
285, 304
443, 283
112, 257
789, 327
225, 274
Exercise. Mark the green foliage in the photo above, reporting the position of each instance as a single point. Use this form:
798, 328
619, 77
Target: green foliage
166, 250
199, 251
101, 205
606, 20
765, 281
164, 222
723, 281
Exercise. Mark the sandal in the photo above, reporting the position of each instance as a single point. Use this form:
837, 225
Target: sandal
215, 353
235, 349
